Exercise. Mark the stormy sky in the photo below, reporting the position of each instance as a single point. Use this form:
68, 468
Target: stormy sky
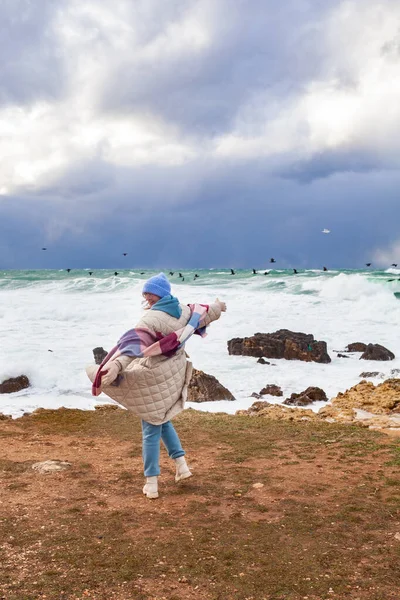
199, 133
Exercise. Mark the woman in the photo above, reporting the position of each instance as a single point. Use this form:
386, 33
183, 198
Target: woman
148, 372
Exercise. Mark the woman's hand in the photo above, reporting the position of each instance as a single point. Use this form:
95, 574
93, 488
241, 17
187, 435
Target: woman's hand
221, 305
113, 369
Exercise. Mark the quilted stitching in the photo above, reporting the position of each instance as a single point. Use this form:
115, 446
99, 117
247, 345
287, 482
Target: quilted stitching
155, 388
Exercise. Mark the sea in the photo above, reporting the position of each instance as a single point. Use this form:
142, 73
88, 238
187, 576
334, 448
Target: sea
51, 320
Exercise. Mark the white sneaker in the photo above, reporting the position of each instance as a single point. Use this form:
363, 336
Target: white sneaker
150, 488
182, 470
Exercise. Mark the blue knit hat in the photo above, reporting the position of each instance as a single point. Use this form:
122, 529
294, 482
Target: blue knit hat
158, 285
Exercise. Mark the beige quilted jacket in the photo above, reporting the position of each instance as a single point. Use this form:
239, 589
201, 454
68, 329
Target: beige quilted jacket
155, 388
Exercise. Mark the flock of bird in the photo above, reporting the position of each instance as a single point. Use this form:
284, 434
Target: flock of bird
233, 272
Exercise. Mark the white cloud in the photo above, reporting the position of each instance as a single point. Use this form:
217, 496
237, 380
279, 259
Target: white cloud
384, 257
353, 104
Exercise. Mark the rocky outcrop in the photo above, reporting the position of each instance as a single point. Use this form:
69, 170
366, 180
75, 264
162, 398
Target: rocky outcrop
278, 413
14, 384
365, 405
311, 394
383, 399
356, 347
377, 352
281, 344
204, 388
99, 355
271, 390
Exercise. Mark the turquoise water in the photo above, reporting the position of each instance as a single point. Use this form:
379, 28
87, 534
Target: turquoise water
50, 320
276, 278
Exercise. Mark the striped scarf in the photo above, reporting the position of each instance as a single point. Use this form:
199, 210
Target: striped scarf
140, 342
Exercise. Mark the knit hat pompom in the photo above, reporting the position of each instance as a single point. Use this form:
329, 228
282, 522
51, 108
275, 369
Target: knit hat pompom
158, 285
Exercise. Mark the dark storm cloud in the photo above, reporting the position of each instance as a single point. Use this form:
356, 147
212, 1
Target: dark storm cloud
330, 162
218, 219
31, 65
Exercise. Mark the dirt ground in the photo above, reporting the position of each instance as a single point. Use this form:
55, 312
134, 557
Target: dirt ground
275, 510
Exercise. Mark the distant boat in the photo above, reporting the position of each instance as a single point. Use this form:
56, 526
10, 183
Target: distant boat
326, 231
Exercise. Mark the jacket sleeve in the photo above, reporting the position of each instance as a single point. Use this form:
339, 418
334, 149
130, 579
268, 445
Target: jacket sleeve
213, 314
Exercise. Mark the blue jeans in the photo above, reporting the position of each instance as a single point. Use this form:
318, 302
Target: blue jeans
151, 435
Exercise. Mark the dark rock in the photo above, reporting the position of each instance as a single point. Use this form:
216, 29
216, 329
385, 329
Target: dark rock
257, 406
255, 395
281, 344
262, 361
99, 355
15, 384
271, 390
203, 388
377, 352
356, 347
342, 355
370, 374
311, 394
5, 417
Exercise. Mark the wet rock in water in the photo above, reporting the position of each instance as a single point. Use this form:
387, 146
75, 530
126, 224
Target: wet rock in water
356, 347
262, 361
311, 394
5, 417
205, 388
377, 352
51, 466
271, 390
99, 355
394, 372
366, 374
281, 344
342, 355
14, 384
255, 395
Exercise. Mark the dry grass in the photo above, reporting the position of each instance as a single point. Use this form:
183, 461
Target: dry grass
322, 526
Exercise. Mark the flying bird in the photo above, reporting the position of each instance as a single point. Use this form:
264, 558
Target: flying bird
368, 264
68, 270
124, 254
325, 269
171, 273
44, 248
254, 272
294, 271
116, 273
326, 231
272, 260
233, 272
266, 272
394, 264
180, 275
90, 272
